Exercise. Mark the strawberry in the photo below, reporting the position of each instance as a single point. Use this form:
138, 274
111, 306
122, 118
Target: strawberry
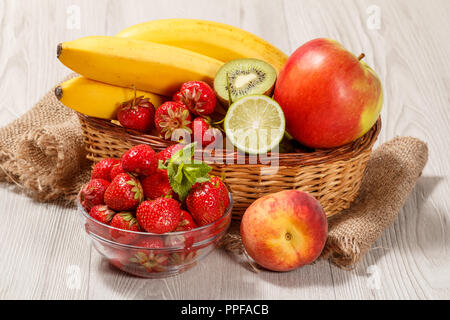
124, 193
102, 170
172, 116
140, 159
186, 223
102, 213
115, 170
157, 185
219, 183
159, 216
182, 258
151, 260
137, 114
198, 96
119, 257
124, 221
207, 201
93, 192
204, 133
168, 152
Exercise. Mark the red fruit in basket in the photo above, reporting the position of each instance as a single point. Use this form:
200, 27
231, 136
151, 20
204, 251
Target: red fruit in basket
173, 116
125, 221
124, 193
102, 170
198, 96
102, 213
329, 96
140, 159
157, 185
168, 152
116, 170
204, 133
93, 193
207, 201
186, 222
159, 216
137, 114
151, 260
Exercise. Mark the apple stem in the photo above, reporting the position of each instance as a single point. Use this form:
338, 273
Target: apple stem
361, 56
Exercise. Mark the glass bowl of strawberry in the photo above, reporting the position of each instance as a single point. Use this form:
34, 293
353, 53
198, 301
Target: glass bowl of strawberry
152, 255
136, 220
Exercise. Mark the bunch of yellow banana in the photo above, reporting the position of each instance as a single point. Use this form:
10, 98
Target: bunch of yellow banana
213, 39
154, 57
98, 99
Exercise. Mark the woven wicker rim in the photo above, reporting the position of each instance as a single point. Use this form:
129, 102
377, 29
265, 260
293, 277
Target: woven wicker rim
314, 157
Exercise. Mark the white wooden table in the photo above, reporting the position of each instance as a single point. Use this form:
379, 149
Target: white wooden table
44, 252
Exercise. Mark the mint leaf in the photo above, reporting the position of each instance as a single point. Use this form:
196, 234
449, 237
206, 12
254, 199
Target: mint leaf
183, 172
179, 176
182, 189
184, 155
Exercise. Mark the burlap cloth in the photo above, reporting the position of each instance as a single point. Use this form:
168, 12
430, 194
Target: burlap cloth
42, 152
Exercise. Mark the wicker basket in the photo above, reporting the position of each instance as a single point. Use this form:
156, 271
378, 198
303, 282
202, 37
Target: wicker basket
333, 176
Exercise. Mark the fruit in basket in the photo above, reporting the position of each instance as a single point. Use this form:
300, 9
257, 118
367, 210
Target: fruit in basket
284, 230
198, 96
124, 193
329, 96
156, 185
204, 133
168, 152
186, 222
140, 160
102, 213
93, 193
159, 216
126, 63
97, 99
217, 40
125, 221
151, 260
137, 114
243, 77
173, 118
255, 124
207, 201
102, 170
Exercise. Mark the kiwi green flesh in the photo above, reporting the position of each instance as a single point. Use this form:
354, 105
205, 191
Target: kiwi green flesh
245, 77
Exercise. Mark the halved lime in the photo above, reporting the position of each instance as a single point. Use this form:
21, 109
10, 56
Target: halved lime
255, 124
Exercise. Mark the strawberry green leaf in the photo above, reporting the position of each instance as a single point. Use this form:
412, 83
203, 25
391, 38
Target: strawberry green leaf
162, 165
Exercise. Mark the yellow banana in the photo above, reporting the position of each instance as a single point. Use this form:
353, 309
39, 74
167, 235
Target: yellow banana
98, 99
148, 66
217, 40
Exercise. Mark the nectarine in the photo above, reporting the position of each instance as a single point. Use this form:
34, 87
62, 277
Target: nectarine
284, 230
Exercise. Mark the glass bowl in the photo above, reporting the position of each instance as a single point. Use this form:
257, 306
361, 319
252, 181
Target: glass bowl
165, 255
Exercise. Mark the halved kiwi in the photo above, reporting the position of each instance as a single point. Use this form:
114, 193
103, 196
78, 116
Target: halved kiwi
244, 77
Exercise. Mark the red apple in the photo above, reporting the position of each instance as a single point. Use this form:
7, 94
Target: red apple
329, 96
284, 230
